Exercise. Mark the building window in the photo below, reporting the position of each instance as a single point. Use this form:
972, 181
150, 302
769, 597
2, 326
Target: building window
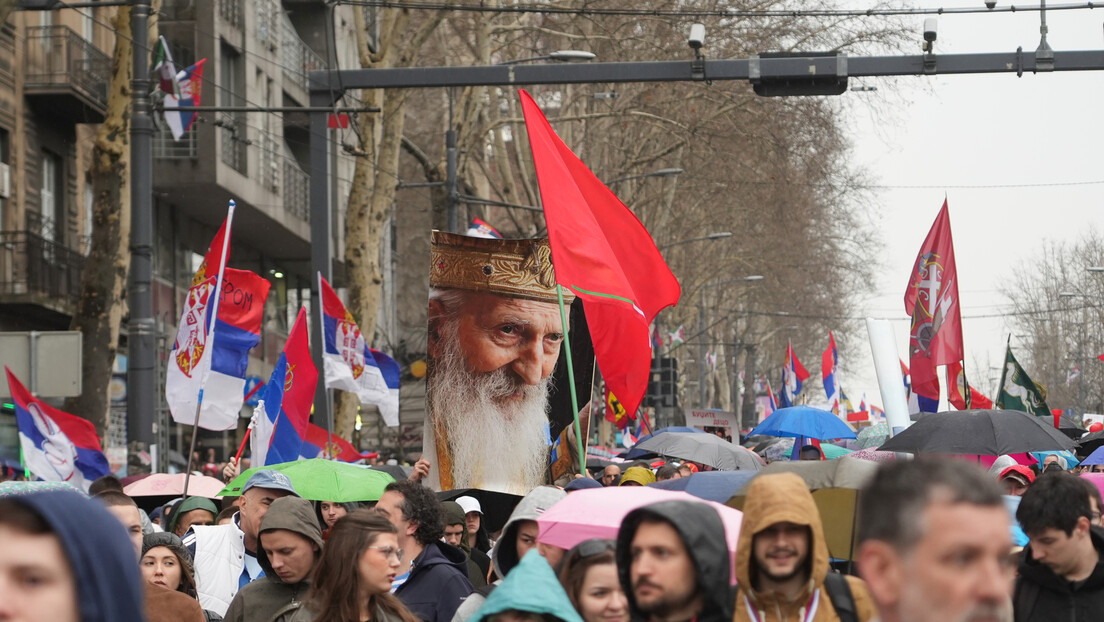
51, 199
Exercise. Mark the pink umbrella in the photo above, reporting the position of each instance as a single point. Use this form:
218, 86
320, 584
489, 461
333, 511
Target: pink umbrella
872, 454
597, 513
164, 484
1096, 478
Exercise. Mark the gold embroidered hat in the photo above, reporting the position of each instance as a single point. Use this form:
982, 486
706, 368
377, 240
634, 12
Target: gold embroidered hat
513, 268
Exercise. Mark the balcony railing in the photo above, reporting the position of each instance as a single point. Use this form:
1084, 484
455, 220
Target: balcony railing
58, 57
296, 57
296, 190
31, 264
165, 147
232, 12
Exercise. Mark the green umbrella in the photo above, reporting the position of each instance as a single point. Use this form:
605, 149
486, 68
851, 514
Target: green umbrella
873, 436
833, 451
318, 479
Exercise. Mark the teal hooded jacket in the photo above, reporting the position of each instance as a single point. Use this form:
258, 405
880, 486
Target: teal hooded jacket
531, 587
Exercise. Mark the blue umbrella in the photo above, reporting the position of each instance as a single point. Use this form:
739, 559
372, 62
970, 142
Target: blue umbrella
716, 486
635, 453
1096, 457
803, 421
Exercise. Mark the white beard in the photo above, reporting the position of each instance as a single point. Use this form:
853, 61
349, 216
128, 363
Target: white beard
493, 447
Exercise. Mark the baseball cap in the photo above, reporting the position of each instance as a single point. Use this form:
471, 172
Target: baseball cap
1019, 473
273, 480
470, 504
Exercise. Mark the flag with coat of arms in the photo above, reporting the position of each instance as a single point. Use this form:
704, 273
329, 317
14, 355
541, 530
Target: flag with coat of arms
793, 375
282, 414
189, 82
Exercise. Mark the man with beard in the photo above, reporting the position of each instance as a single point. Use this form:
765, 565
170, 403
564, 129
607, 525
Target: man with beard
935, 543
494, 338
673, 564
782, 560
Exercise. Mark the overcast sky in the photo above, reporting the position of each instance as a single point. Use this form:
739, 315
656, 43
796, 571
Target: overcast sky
1015, 157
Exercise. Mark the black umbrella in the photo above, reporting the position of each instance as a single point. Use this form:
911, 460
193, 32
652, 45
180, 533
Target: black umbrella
496, 506
704, 449
1090, 443
394, 470
1069, 428
979, 433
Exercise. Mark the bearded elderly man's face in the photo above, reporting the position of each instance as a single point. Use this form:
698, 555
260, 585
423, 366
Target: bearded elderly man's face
492, 361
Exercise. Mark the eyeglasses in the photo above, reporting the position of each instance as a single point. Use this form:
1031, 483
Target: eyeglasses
595, 546
388, 551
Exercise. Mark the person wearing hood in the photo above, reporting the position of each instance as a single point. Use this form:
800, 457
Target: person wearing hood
532, 588
434, 581
782, 559
637, 476
1062, 568
80, 558
192, 511
673, 565
518, 537
290, 547
479, 563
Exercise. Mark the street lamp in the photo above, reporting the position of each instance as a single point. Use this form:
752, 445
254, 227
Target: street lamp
663, 172
563, 56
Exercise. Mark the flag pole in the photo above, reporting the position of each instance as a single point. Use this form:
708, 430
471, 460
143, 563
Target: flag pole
571, 383
210, 339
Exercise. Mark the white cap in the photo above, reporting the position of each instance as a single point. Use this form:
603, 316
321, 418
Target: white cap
469, 504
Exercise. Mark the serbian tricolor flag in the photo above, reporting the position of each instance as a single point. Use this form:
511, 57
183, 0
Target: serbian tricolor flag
793, 374
828, 362
601, 252
772, 403
480, 229
931, 300
960, 393
918, 403
285, 405
321, 444
350, 365
189, 80
209, 357
57, 446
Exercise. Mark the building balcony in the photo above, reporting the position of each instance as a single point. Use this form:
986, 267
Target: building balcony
40, 272
66, 74
298, 60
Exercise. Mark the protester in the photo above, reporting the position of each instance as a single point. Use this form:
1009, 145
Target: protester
810, 452
225, 556
666, 472
192, 511
226, 516
934, 542
611, 475
518, 537
162, 604
479, 563
477, 533
1015, 479
435, 582
291, 545
104, 484
1061, 572
329, 511
80, 560
673, 564
687, 469
166, 562
529, 592
579, 483
589, 576
353, 579
637, 476
782, 559
1054, 462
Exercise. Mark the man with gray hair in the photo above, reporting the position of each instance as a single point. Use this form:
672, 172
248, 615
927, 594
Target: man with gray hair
935, 543
494, 339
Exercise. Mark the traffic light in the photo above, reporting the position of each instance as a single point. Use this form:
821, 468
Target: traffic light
663, 383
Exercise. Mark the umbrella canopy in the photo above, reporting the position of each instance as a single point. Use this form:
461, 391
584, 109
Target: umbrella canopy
703, 449
804, 421
597, 513
978, 432
716, 486
1090, 443
26, 488
832, 452
873, 436
394, 470
1069, 428
159, 484
872, 455
633, 453
496, 506
318, 479
1097, 480
1096, 457
835, 487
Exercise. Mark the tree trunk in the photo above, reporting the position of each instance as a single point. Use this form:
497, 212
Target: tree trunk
101, 305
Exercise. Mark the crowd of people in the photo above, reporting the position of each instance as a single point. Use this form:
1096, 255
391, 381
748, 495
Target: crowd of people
935, 540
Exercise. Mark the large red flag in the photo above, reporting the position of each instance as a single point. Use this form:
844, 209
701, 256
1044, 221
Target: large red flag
932, 301
602, 252
956, 389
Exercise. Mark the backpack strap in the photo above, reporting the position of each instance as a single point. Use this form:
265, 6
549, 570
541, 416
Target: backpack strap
839, 592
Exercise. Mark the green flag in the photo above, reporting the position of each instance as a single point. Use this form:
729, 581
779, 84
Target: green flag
1018, 392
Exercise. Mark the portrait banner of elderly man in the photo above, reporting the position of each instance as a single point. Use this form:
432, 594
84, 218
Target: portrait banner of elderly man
497, 389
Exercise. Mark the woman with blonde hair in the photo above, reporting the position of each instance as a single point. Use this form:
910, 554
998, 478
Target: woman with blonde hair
362, 551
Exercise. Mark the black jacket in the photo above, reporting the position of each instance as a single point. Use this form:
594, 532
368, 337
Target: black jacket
703, 534
1042, 596
438, 583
